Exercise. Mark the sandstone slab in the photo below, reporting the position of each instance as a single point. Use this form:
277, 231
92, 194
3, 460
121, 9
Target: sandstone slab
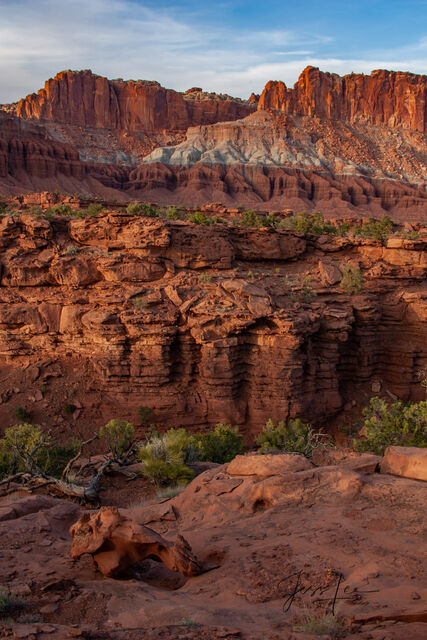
409, 462
268, 465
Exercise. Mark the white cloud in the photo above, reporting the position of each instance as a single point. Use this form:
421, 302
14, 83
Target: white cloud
122, 38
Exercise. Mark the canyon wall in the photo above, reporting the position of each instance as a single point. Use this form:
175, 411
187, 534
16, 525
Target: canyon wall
202, 324
81, 98
394, 99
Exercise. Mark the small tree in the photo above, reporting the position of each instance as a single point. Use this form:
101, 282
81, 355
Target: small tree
220, 445
398, 424
119, 435
293, 436
352, 279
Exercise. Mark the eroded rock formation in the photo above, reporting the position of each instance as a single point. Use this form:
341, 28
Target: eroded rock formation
202, 324
117, 542
394, 99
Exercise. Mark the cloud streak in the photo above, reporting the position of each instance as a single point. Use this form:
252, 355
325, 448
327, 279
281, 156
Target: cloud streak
124, 38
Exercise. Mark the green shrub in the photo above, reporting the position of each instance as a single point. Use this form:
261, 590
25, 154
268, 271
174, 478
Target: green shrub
25, 437
140, 304
205, 277
164, 457
69, 408
10, 604
199, 218
61, 210
220, 445
352, 279
3, 205
94, 208
53, 458
142, 209
308, 223
322, 624
251, 219
119, 435
35, 211
22, 414
50, 458
72, 250
144, 415
377, 230
293, 436
398, 424
172, 213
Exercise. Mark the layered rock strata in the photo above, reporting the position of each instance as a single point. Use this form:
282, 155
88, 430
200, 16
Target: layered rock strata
202, 324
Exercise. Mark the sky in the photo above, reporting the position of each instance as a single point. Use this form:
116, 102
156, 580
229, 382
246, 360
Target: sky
228, 46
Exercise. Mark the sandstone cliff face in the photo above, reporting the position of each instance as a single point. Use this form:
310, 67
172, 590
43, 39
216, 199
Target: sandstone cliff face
84, 99
110, 313
394, 99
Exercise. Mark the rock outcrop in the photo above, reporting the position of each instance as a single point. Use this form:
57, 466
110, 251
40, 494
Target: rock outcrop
390, 98
409, 462
202, 324
342, 145
83, 99
116, 543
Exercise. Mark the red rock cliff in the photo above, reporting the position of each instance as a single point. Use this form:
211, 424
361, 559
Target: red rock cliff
396, 99
85, 99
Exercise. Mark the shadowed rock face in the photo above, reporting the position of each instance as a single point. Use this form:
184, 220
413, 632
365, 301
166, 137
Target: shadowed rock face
117, 542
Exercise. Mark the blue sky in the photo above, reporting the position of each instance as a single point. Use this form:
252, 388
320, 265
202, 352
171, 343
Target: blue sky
231, 46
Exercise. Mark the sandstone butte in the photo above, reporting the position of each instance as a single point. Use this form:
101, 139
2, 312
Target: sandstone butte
356, 143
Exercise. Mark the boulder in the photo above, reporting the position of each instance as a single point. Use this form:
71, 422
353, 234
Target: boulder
408, 462
117, 542
268, 465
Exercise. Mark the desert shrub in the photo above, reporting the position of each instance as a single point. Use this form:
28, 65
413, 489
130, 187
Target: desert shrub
220, 445
164, 457
139, 303
144, 415
25, 437
141, 209
119, 435
250, 219
3, 205
50, 457
205, 277
170, 492
307, 294
172, 213
322, 624
400, 424
293, 436
22, 414
308, 223
352, 279
53, 458
69, 408
35, 211
10, 604
72, 250
198, 217
377, 230
94, 208
60, 210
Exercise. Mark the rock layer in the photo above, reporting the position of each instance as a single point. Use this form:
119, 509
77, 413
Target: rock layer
202, 324
394, 99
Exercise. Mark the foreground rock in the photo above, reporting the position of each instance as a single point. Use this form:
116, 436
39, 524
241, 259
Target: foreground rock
409, 462
328, 527
116, 543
